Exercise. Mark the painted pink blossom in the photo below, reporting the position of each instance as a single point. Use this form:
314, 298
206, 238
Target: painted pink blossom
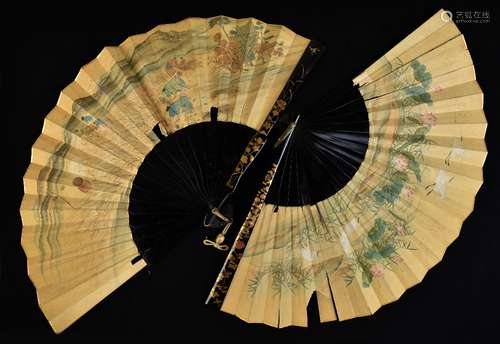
428, 119
181, 64
401, 230
436, 88
407, 191
376, 269
400, 162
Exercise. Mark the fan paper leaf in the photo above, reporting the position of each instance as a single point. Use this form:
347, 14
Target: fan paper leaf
422, 161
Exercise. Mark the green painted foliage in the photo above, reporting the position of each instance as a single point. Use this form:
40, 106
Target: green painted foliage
372, 253
421, 74
377, 230
388, 193
385, 238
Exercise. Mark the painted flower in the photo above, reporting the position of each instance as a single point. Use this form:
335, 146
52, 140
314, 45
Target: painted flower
181, 64
400, 162
407, 191
401, 229
428, 119
376, 269
82, 184
281, 104
436, 88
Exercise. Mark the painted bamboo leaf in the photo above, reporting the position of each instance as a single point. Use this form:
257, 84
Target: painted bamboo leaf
367, 278
372, 253
387, 250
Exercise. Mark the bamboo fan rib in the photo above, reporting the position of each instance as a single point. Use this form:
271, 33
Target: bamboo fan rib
379, 235
76, 231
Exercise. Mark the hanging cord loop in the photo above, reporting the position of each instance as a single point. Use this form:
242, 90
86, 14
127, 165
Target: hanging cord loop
218, 243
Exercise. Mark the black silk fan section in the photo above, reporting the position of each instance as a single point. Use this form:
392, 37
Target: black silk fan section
326, 149
180, 181
184, 176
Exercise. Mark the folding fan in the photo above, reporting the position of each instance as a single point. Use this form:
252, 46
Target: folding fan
359, 196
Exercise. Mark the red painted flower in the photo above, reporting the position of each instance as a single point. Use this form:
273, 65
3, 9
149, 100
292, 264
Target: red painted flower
82, 184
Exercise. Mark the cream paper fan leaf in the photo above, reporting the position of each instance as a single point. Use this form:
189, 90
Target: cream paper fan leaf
362, 247
76, 231
357, 249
